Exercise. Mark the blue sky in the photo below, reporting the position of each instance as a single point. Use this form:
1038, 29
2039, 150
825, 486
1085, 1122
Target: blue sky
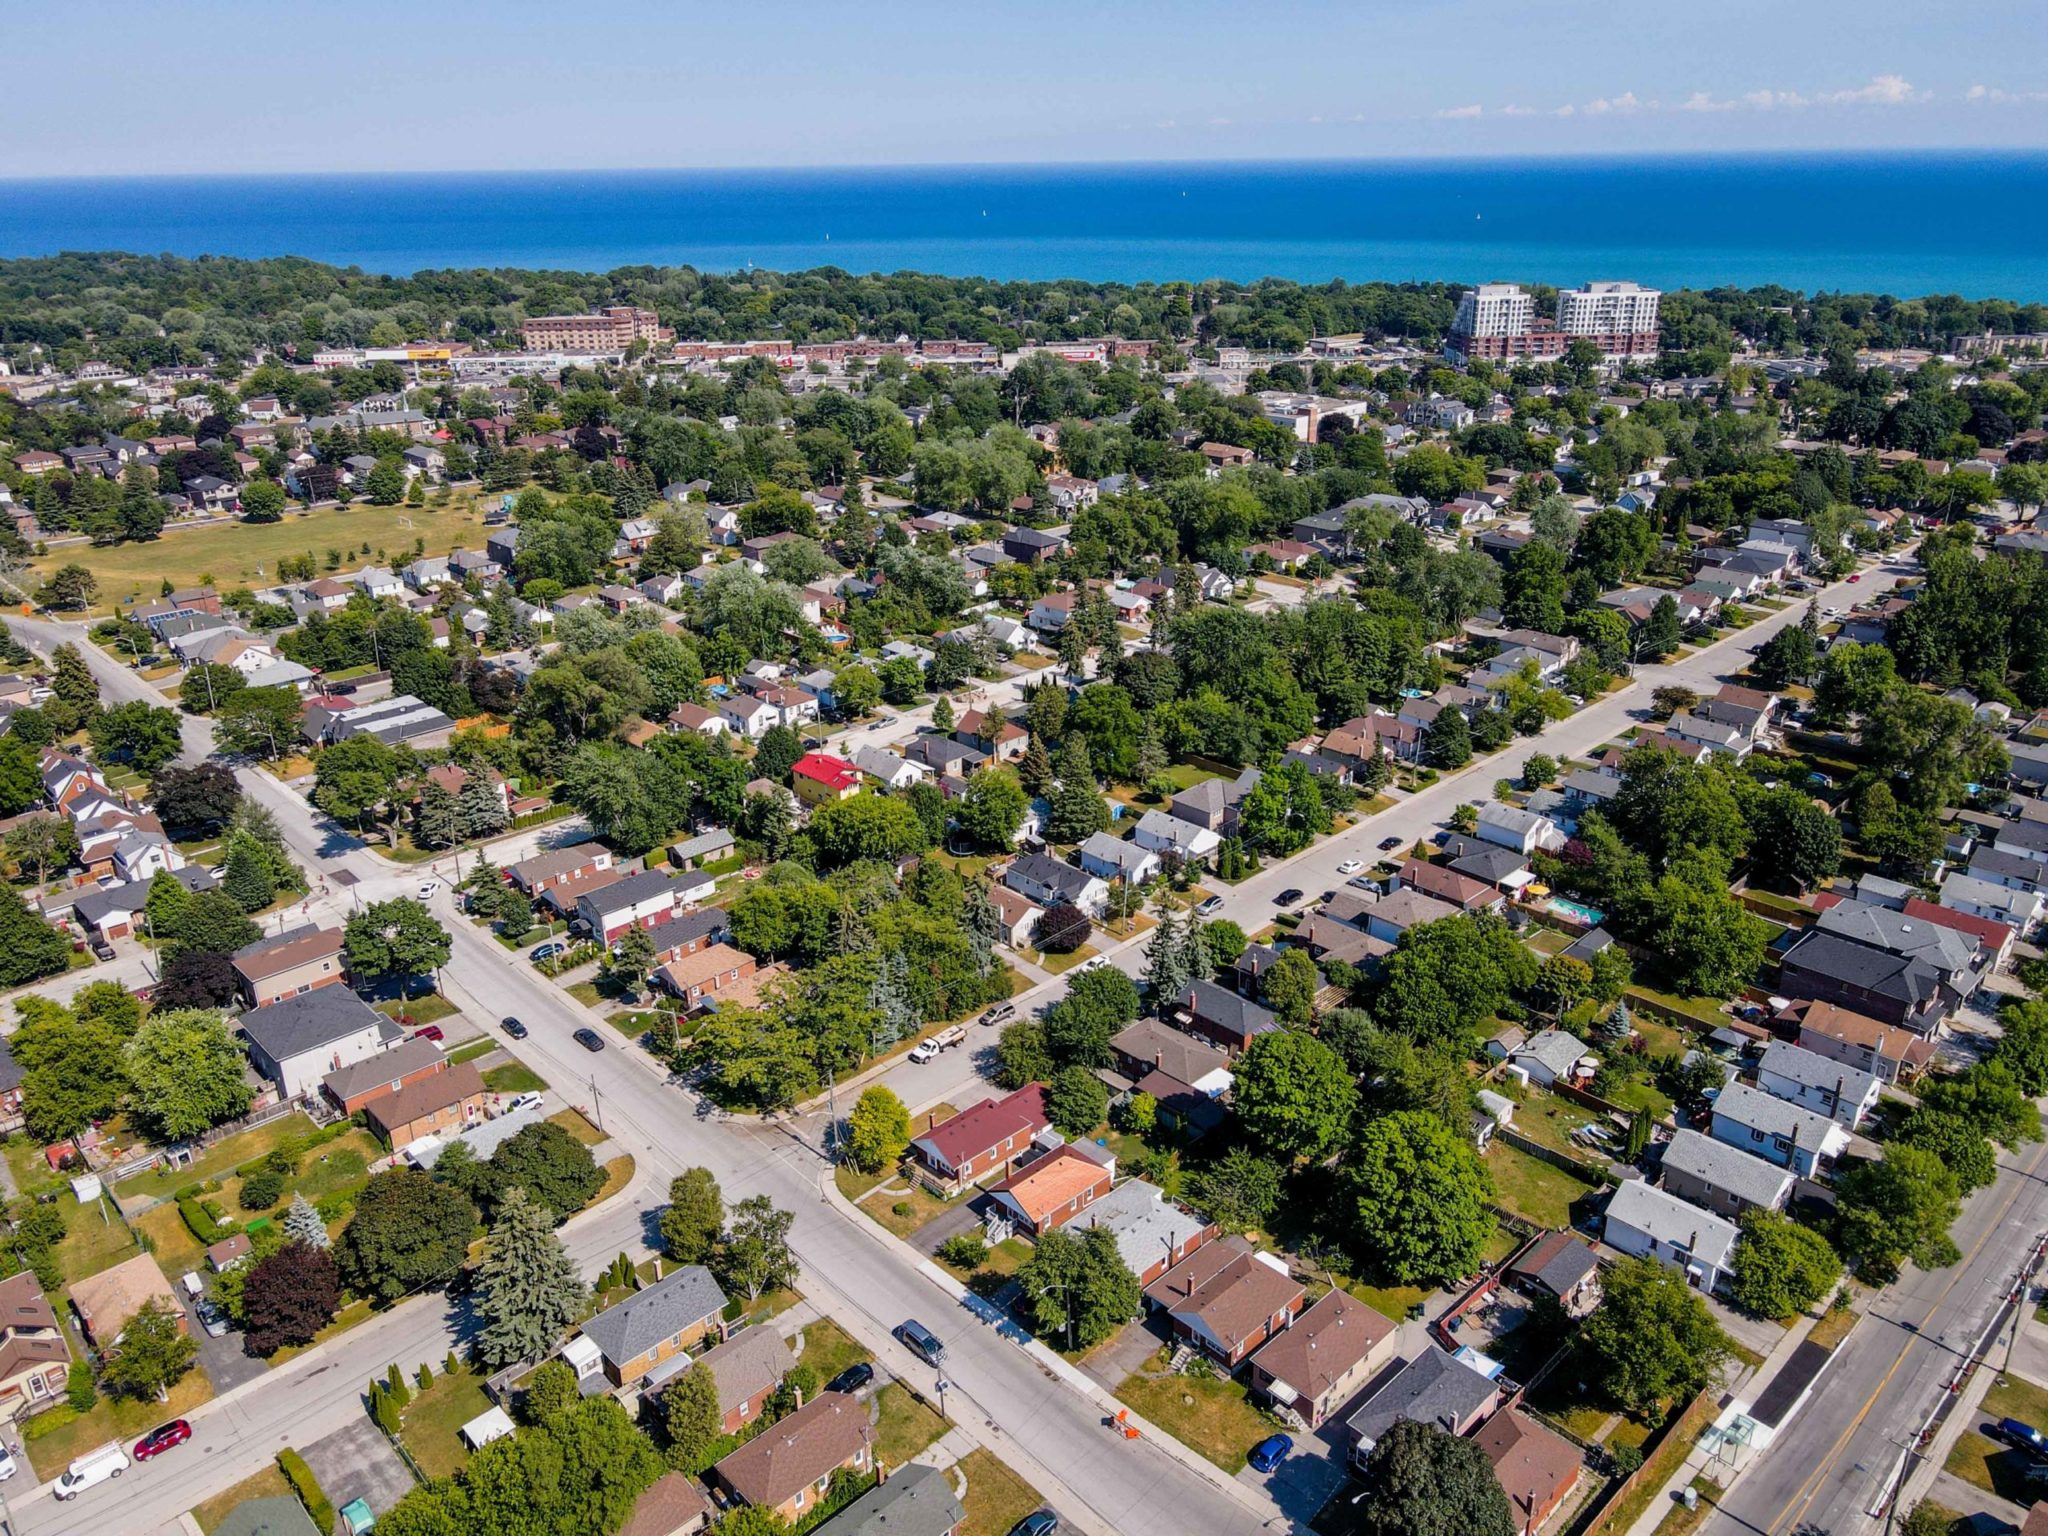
142, 87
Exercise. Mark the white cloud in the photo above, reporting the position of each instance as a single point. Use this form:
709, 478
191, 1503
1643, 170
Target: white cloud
1882, 91
1471, 111
1219, 122
1998, 96
1624, 104
1511, 110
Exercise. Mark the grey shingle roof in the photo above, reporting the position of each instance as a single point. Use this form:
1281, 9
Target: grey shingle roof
1720, 1166
1433, 1388
1753, 1109
666, 1308
916, 1501
306, 1022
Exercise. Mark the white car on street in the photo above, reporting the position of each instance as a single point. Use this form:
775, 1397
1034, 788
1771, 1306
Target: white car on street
1350, 866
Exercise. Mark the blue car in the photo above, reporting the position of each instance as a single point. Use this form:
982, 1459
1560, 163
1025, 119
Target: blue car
1270, 1452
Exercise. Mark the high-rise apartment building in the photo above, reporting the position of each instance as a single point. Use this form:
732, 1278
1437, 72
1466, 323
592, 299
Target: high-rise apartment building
1498, 321
1618, 318
612, 329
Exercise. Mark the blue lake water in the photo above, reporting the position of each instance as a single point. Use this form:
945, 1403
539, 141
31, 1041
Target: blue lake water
1969, 223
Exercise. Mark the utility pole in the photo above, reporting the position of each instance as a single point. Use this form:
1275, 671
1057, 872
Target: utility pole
596, 1102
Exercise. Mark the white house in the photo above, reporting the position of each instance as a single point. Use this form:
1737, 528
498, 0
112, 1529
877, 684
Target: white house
1513, 827
1993, 900
1653, 1223
1777, 1130
1843, 1093
298, 1040
1107, 855
1164, 833
1549, 1057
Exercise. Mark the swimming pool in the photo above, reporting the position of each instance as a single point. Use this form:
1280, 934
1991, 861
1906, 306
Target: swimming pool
1576, 912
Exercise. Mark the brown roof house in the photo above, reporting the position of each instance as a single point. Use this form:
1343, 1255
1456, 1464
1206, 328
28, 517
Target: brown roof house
1536, 1468
748, 1367
1052, 1191
106, 1301
699, 977
668, 1318
289, 963
353, 1087
1329, 1352
1561, 1267
34, 1358
1227, 1299
982, 1139
788, 1467
439, 1101
673, 1505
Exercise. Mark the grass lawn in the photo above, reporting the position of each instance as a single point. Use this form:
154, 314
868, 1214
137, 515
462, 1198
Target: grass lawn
111, 1419
905, 1425
586, 993
1531, 1188
1995, 1468
1208, 1414
997, 1498
431, 1421
267, 1484
1547, 941
355, 1312
1833, 1328
430, 1009
514, 1077
231, 1152
242, 554
473, 1050
618, 1173
1680, 1521
2014, 1397
1703, 1011
94, 1239
1059, 965
176, 1249
1392, 1301
854, 1184
26, 1162
921, 1207
578, 1125
1640, 1092
1662, 1039
1623, 1513
1547, 1118
830, 1349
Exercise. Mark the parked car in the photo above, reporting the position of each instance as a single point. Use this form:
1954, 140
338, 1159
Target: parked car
1041, 1522
92, 1468
998, 1014
513, 1028
1287, 898
162, 1439
101, 949
8, 1465
547, 951
920, 1341
928, 1049
520, 1101
1270, 1452
211, 1318
589, 1039
1350, 866
428, 1032
1210, 907
852, 1379
2021, 1437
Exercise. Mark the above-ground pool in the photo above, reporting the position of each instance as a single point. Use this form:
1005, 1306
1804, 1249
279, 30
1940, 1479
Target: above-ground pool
1577, 912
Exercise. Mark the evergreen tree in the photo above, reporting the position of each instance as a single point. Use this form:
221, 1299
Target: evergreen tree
302, 1223
438, 821
482, 806
1152, 764
72, 680
528, 1290
247, 875
1078, 808
1073, 649
984, 927
1034, 769
29, 947
896, 1014
1167, 971
942, 716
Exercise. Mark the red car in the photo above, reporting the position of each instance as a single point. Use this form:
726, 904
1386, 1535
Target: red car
162, 1438
427, 1032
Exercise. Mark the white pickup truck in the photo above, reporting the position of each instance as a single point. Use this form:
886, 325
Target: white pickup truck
928, 1048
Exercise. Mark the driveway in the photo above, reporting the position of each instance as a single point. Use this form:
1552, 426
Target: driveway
222, 1358
1113, 1362
964, 1215
357, 1462
1313, 1471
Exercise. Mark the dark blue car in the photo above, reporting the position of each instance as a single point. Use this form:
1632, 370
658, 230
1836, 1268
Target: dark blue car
1270, 1452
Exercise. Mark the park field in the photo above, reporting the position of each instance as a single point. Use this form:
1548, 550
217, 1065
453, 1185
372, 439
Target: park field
228, 555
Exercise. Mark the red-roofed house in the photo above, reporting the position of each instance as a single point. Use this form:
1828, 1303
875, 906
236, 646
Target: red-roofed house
818, 778
983, 1139
1994, 938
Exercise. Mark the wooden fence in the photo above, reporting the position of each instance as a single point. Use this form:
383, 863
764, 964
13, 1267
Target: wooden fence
1585, 1172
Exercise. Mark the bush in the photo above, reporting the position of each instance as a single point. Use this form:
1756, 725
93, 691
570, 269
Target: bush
964, 1250
80, 1391
200, 1220
262, 1189
335, 1206
49, 1421
307, 1487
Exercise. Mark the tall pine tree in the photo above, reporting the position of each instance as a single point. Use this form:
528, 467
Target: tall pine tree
1166, 959
528, 1289
481, 806
303, 1224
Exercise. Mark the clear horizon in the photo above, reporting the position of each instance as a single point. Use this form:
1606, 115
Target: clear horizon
238, 87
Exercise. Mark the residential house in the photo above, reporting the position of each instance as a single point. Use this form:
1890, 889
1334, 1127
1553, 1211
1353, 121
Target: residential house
1398, 911
1723, 1179
705, 848
1894, 989
1447, 885
1537, 1468
288, 963
1328, 1352
1152, 1232
1513, 827
1112, 858
1227, 1299
1225, 1018
1645, 1222
560, 866
787, 1468
1047, 881
983, 1139
1213, 803
107, 1301
1050, 613
1561, 1267
1778, 1130
819, 778
665, 1319
643, 900
1031, 546
703, 722
1149, 1046
298, 1040
1888, 1053
12, 1075
1552, 1056
438, 1101
1993, 902
888, 769
699, 976
1843, 1093
34, 1357
1017, 916
1051, 1191
1433, 1388
748, 1367
672, 1505
353, 1087
916, 1501
685, 933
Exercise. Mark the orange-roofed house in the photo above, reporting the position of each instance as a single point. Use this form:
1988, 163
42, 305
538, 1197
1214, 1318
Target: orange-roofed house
108, 1301
1054, 1190
699, 976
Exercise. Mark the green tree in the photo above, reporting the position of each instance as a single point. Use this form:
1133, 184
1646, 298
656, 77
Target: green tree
755, 1255
21, 776
29, 947
1078, 1286
1660, 633
207, 685
992, 809
691, 1418
1294, 1096
1448, 742
877, 1130
248, 876
1963, 1149
1781, 1268
1986, 1095
71, 679
528, 1293
554, 1168
1241, 1189
1421, 1196
261, 723
395, 938
1794, 840
155, 1353
262, 502
186, 1073
437, 819
210, 922
1651, 1342
288, 1297
407, 1231
1022, 1055
1076, 1101
550, 1391
142, 735
1290, 988
2022, 1048
1427, 1482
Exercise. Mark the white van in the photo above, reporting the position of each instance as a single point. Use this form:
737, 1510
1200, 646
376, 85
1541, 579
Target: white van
93, 1467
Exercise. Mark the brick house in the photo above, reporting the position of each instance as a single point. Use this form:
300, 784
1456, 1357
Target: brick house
982, 1139
353, 1087
1328, 1353
289, 963
668, 1318
788, 1467
437, 1102
1227, 1299
700, 974
545, 871
748, 1367
1052, 1191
